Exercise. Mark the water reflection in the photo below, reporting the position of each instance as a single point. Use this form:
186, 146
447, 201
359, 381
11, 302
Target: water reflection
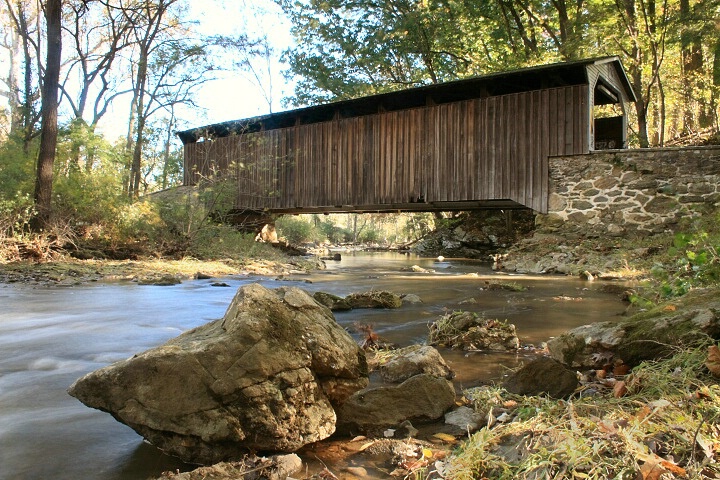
51, 336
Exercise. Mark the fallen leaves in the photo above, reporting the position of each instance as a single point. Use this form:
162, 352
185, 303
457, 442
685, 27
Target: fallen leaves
655, 467
445, 437
620, 389
713, 360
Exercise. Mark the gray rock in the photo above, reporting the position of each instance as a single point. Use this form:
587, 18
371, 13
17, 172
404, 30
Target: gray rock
579, 346
374, 299
420, 399
542, 376
463, 420
162, 281
644, 336
414, 360
411, 298
265, 377
333, 302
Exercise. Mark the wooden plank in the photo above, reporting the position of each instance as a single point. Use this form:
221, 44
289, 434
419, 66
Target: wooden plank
412, 153
502, 138
570, 120
401, 184
444, 156
538, 148
524, 127
481, 148
585, 115
394, 164
557, 122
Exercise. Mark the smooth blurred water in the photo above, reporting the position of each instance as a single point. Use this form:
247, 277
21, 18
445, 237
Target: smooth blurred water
51, 336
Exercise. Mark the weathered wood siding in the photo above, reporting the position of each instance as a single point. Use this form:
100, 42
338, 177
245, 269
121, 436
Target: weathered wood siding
493, 148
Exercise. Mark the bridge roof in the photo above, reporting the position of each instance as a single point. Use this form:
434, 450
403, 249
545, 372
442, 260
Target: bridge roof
500, 83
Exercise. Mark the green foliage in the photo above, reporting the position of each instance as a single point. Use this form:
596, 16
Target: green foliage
15, 216
693, 262
223, 241
295, 230
350, 49
139, 222
17, 169
419, 225
88, 199
690, 261
335, 233
369, 235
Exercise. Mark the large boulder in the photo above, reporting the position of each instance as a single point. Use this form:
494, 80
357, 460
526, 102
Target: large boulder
648, 335
266, 377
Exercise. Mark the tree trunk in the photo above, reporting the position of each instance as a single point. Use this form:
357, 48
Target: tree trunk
49, 129
166, 151
139, 94
635, 70
129, 142
692, 65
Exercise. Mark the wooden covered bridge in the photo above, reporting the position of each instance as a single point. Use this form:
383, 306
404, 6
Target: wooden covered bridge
482, 142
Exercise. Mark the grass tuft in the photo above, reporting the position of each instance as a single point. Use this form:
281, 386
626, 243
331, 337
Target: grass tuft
665, 427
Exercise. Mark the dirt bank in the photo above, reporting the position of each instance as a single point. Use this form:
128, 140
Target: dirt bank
70, 271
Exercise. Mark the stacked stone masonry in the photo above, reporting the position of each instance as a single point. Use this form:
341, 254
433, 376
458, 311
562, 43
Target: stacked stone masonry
631, 192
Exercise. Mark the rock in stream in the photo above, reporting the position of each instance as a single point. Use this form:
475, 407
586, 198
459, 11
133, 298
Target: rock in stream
266, 377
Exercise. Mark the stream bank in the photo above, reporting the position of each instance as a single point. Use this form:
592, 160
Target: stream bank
68, 271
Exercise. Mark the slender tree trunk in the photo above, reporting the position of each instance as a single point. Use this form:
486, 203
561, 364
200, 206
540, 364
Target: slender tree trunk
16, 113
129, 142
136, 160
166, 152
635, 70
136, 165
27, 121
692, 65
49, 129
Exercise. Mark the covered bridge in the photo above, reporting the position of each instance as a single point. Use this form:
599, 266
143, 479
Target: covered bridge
481, 142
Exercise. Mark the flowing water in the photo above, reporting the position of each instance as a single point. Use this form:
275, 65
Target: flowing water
50, 336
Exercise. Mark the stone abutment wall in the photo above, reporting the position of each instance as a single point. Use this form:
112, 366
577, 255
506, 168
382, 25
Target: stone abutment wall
631, 192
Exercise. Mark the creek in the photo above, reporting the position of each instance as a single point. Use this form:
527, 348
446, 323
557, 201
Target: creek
50, 336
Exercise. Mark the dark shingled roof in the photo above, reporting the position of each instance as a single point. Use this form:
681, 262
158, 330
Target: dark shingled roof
501, 83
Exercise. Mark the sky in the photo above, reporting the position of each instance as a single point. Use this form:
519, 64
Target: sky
235, 94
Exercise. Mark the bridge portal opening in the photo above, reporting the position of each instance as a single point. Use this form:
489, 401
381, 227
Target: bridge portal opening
609, 118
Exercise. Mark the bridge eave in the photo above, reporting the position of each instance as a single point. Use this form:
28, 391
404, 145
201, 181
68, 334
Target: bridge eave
403, 207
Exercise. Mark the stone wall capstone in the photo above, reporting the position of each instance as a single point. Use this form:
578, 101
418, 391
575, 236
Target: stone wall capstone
631, 192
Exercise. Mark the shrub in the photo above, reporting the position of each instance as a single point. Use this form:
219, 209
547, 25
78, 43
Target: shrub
223, 241
693, 261
295, 230
334, 233
369, 235
15, 215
